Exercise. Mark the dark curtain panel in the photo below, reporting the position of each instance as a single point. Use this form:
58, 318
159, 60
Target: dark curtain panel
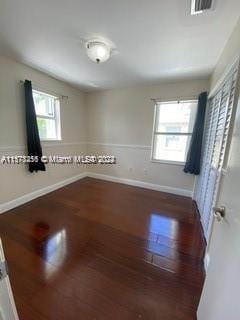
194, 153
33, 140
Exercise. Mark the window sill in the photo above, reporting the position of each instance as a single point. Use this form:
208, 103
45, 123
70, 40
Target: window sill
175, 163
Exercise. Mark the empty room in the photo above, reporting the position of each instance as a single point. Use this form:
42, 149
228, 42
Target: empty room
119, 160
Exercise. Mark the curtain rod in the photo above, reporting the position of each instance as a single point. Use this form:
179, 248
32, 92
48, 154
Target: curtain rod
41, 89
179, 99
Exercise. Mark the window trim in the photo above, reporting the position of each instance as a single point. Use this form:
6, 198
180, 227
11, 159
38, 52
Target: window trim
56, 118
154, 132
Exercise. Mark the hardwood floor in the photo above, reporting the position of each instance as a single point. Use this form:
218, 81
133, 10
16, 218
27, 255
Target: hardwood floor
101, 250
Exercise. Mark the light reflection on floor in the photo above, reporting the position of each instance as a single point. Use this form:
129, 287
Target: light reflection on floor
163, 226
51, 247
56, 247
55, 253
160, 254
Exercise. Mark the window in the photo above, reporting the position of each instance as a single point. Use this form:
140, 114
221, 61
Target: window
173, 127
48, 115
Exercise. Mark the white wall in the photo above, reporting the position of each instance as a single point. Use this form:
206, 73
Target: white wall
16, 181
229, 54
214, 304
120, 123
220, 297
117, 122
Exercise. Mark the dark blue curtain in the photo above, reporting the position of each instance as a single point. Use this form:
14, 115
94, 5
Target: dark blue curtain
193, 161
33, 140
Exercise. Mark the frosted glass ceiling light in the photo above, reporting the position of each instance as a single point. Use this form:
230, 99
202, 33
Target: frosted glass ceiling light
98, 51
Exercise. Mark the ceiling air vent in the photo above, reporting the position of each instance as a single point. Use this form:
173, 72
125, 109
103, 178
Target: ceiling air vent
198, 6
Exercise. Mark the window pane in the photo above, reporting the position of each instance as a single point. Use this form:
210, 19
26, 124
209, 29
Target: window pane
44, 104
171, 147
176, 117
47, 128
48, 115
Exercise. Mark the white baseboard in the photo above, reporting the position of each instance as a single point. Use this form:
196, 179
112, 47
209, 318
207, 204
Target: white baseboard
38, 193
206, 261
141, 184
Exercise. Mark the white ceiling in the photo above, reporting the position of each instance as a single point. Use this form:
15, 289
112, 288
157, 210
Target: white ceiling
156, 40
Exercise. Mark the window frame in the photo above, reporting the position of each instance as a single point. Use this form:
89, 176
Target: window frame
155, 133
56, 117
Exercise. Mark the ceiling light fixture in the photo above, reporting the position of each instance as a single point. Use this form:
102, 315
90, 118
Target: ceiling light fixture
98, 51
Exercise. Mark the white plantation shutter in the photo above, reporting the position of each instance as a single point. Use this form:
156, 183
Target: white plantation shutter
218, 119
210, 131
